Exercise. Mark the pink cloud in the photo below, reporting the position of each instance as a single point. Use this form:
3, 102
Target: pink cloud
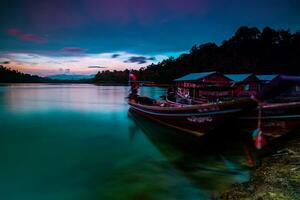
73, 49
33, 38
26, 37
14, 32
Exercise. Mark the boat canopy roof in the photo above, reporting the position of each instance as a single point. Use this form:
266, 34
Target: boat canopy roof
237, 77
194, 76
266, 77
233, 77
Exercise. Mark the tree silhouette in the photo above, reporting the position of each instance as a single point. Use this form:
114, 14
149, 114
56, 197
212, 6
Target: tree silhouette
249, 50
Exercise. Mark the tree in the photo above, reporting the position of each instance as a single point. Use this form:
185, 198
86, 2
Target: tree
249, 50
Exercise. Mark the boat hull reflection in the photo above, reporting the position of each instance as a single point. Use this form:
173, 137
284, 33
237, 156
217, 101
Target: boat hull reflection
197, 120
212, 165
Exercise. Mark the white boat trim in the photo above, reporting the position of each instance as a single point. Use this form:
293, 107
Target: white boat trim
187, 114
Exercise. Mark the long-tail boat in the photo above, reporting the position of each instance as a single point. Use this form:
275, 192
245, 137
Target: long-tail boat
201, 119
195, 119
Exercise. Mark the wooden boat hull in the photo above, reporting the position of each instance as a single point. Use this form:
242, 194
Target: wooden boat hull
196, 119
276, 119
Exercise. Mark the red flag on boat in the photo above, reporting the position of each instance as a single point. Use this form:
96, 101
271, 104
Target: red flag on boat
132, 77
259, 139
257, 133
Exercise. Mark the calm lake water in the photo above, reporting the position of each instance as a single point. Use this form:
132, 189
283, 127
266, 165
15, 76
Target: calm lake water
63, 142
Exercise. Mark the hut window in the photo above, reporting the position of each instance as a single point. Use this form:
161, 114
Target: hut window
297, 88
247, 87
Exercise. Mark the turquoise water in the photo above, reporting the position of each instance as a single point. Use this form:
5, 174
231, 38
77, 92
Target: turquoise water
80, 142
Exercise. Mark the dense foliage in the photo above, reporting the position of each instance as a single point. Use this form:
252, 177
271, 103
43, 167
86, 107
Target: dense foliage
248, 51
13, 76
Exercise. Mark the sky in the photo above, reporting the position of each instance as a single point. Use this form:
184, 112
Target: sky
47, 37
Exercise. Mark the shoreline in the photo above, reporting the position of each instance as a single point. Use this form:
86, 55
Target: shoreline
278, 176
83, 83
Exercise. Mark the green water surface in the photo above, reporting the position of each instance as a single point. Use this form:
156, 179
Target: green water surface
61, 142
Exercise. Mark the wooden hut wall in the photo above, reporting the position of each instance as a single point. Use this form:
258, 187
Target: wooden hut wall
247, 87
217, 79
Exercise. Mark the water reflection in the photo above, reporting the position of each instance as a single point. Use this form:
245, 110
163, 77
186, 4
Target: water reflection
77, 142
44, 97
212, 163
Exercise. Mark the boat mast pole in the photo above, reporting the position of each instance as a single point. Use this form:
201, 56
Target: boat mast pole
129, 80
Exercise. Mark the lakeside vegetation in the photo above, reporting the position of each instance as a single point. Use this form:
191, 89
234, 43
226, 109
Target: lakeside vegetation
13, 76
249, 50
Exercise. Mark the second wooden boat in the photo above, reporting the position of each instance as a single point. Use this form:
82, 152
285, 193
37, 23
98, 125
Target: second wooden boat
276, 119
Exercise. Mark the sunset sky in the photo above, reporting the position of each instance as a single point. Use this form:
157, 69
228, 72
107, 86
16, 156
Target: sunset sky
47, 37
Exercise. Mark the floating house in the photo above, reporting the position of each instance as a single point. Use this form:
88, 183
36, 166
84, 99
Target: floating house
249, 84
216, 84
243, 84
208, 84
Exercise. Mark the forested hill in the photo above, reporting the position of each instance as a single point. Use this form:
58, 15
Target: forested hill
248, 51
13, 76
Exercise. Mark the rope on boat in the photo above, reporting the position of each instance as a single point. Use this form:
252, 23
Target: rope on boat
257, 133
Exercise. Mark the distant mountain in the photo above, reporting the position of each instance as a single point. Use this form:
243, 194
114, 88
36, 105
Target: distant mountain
70, 77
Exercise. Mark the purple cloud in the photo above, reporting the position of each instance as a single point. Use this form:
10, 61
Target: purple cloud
73, 50
33, 38
26, 37
14, 32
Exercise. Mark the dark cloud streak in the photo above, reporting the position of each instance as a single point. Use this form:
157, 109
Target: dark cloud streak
4, 63
115, 55
95, 67
139, 59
